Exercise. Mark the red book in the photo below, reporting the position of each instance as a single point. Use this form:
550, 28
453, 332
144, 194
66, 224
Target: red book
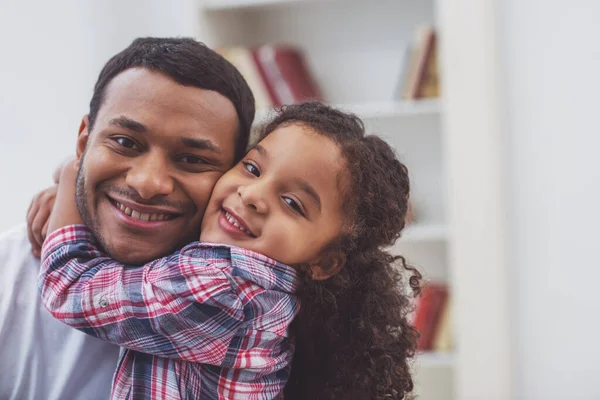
429, 308
285, 74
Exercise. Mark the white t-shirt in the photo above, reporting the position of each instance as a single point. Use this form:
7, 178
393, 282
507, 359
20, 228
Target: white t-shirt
42, 358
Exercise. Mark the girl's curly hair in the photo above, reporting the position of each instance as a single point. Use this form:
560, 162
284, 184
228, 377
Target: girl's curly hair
353, 339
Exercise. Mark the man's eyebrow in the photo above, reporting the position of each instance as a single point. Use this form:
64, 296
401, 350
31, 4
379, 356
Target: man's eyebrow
129, 124
201, 144
310, 191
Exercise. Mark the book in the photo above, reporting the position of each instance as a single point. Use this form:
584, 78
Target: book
429, 308
420, 70
444, 337
428, 86
243, 60
285, 74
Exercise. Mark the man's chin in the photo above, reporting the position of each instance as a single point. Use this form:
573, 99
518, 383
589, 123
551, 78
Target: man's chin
132, 253
135, 246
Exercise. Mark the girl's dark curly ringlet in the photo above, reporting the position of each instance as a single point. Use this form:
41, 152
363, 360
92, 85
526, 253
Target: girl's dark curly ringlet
353, 338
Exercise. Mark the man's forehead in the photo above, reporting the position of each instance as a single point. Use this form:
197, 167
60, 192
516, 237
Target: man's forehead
152, 98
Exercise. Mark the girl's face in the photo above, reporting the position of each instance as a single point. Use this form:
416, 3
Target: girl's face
282, 200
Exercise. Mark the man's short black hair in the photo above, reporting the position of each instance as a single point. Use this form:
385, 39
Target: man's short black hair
189, 63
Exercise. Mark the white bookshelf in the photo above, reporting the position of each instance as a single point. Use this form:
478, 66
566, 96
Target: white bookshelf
394, 109
435, 360
417, 232
355, 50
229, 5
378, 110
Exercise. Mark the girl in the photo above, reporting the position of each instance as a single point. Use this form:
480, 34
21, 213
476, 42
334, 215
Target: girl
317, 195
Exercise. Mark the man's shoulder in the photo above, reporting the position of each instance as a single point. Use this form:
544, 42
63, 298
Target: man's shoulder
14, 239
15, 250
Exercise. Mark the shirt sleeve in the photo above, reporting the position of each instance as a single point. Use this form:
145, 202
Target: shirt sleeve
178, 307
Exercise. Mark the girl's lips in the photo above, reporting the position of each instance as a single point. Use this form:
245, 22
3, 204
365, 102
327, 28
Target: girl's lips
227, 223
238, 221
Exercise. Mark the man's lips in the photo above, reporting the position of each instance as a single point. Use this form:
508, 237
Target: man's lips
143, 213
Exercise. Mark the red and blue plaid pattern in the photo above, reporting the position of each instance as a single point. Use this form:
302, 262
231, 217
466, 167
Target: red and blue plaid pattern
208, 322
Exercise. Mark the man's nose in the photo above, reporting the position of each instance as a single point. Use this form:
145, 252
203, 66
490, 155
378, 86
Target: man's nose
150, 176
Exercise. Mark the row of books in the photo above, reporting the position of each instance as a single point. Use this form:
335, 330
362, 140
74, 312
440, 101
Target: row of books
432, 318
277, 74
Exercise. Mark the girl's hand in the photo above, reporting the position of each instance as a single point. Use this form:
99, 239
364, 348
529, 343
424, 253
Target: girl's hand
38, 216
65, 210
40, 209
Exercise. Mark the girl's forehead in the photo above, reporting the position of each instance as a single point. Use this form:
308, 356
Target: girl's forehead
297, 152
298, 147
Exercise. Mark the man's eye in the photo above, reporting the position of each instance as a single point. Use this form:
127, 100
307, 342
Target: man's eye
252, 169
126, 142
294, 205
193, 160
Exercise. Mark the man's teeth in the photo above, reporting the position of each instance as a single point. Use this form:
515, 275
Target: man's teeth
235, 222
142, 216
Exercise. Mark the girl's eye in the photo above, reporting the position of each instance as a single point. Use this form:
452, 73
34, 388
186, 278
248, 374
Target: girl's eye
126, 142
252, 169
294, 205
193, 160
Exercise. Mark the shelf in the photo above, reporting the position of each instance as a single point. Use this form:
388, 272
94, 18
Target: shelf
394, 109
435, 360
224, 5
379, 110
424, 233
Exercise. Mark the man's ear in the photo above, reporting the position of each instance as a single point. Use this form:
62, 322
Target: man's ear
327, 266
83, 136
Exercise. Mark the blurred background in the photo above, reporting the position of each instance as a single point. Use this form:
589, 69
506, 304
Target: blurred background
490, 103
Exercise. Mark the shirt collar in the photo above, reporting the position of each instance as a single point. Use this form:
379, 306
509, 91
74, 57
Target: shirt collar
252, 266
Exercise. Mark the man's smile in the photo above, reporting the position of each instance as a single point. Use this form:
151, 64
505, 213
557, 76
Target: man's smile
141, 216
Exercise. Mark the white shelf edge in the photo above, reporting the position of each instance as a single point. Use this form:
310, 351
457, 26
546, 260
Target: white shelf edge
231, 5
378, 109
423, 232
432, 359
394, 109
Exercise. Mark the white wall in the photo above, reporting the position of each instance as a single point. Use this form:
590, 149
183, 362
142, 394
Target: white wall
551, 57
475, 169
52, 52
45, 83
520, 80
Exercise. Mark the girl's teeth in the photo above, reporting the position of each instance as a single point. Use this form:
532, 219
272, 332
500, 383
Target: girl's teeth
234, 222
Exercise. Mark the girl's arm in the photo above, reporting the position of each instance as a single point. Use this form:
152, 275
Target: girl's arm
65, 212
183, 306
38, 213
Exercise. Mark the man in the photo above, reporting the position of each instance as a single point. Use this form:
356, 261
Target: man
167, 118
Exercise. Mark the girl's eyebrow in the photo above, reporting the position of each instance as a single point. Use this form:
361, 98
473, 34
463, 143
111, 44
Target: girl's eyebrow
261, 150
302, 184
310, 191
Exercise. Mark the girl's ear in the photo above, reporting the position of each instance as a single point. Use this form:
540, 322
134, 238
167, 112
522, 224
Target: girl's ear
327, 266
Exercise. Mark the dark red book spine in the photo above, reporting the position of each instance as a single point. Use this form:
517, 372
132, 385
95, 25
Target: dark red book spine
286, 75
429, 308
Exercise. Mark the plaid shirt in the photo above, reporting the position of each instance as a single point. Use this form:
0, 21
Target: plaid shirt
208, 322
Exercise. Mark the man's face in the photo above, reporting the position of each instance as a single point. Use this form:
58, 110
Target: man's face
149, 164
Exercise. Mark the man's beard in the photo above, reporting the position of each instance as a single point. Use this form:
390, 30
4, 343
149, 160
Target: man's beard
84, 207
